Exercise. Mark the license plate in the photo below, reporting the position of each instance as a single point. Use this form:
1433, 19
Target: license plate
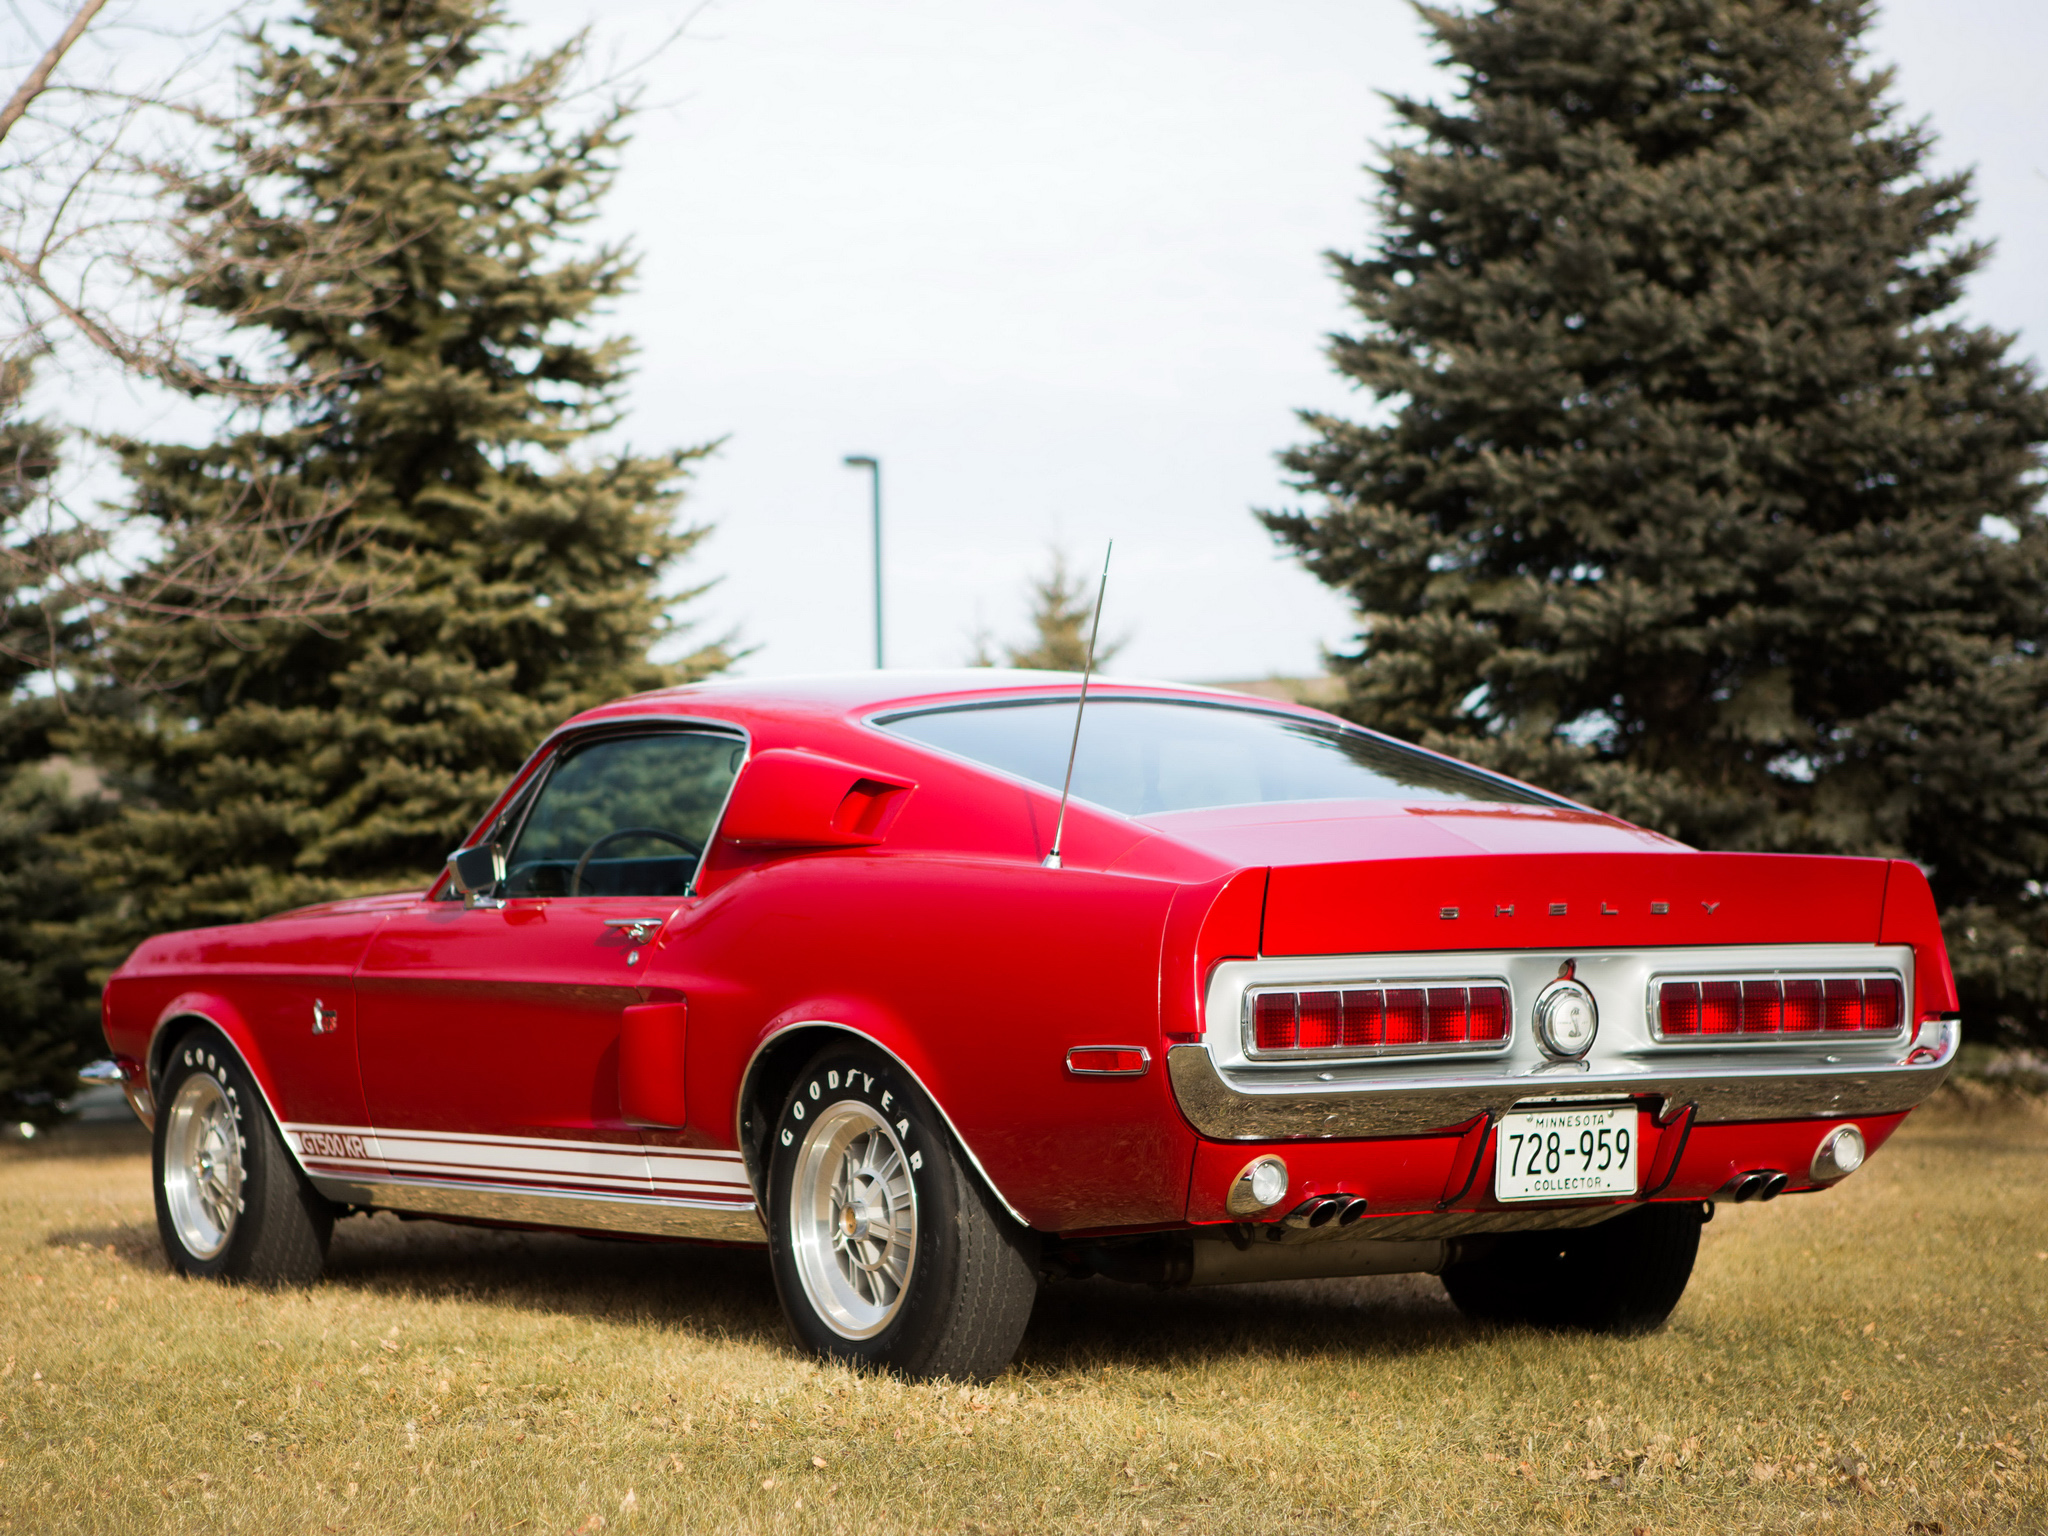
1565, 1154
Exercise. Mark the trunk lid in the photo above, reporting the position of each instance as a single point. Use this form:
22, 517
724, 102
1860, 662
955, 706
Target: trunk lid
1557, 899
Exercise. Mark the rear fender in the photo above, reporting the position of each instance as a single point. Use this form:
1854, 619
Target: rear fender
799, 1033
1910, 918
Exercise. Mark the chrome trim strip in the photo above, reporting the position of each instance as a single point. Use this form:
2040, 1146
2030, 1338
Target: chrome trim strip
739, 1106
1752, 1089
642, 1215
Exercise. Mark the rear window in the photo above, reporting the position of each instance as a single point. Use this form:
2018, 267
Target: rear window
1144, 756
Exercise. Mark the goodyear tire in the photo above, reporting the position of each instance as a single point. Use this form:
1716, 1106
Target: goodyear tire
887, 1251
230, 1202
1623, 1276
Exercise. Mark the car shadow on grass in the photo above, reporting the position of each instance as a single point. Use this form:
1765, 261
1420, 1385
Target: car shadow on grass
727, 1294
725, 1291
1086, 1325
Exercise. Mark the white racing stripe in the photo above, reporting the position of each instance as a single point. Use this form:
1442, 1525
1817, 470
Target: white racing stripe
538, 1163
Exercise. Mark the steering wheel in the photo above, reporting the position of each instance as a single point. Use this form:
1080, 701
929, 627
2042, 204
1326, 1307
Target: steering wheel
576, 880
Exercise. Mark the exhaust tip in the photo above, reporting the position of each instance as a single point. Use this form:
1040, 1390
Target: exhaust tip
1317, 1211
1757, 1184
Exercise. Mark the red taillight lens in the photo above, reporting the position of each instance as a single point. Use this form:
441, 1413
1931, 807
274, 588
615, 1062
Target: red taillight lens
1489, 1014
1842, 1003
1407, 1016
1365, 1021
1379, 1018
1802, 1007
1321, 1021
1763, 1005
1690, 1010
1720, 1007
1447, 1021
1273, 1021
1678, 1007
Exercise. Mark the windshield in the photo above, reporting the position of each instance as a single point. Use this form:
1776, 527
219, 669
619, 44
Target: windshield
1144, 756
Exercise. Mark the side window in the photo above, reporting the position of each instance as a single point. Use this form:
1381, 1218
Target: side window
624, 816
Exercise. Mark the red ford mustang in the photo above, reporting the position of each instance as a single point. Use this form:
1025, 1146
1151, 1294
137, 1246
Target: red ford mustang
794, 963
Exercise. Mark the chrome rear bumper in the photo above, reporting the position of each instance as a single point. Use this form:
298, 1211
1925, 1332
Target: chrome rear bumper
1269, 1107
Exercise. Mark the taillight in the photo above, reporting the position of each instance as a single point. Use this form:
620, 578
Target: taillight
1376, 1020
1833, 1005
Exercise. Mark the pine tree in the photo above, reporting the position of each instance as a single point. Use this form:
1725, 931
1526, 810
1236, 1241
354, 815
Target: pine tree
49, 1009
1689, 494
1062, 611
445, 393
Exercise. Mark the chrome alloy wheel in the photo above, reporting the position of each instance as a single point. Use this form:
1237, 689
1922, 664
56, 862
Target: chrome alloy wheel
853, 1219
203, 1165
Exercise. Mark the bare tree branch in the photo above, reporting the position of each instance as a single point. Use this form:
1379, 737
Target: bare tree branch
39, 77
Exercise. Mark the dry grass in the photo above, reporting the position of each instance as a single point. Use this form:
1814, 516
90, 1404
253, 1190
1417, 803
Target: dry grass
1872, 1360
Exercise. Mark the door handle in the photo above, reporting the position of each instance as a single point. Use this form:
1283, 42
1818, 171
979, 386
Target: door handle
638, 929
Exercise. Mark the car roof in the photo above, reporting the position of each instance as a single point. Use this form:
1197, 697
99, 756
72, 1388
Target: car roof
860, 694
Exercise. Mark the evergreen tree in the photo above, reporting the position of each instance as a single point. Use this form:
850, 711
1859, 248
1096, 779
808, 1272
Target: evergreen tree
1062, 611
1689, 495
445, 391
49, 1010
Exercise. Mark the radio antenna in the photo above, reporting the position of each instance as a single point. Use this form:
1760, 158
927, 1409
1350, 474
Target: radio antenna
1052, 860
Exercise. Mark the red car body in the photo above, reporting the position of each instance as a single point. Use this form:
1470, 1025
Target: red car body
611, 1063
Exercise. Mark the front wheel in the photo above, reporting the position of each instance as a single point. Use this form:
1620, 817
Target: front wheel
1623, 1276
887, 1251
230, 1203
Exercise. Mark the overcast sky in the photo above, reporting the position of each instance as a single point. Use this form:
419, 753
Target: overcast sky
1057, 263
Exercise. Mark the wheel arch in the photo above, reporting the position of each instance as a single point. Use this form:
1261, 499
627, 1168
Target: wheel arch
773, 1069
189, 1009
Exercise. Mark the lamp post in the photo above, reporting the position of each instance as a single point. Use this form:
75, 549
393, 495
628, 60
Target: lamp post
874, 468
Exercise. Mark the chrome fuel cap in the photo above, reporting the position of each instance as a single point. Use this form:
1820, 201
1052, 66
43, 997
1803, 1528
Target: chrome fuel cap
1566, 1019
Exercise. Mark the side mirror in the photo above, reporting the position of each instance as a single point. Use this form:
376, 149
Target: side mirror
791, 799
477, 871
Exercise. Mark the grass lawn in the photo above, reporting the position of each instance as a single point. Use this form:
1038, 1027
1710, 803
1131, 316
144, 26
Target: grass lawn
1868, 1360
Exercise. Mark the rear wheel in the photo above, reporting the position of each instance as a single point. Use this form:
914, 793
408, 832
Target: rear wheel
1623, 1276
230, 1202
886, 1248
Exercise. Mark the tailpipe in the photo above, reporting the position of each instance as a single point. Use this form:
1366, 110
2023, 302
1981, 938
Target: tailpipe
1322, 1210
1757, 1184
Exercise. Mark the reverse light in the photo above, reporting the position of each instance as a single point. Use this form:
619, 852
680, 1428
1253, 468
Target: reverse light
1259, 1185
1840, 1153
1377, 1020
1777, 1007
